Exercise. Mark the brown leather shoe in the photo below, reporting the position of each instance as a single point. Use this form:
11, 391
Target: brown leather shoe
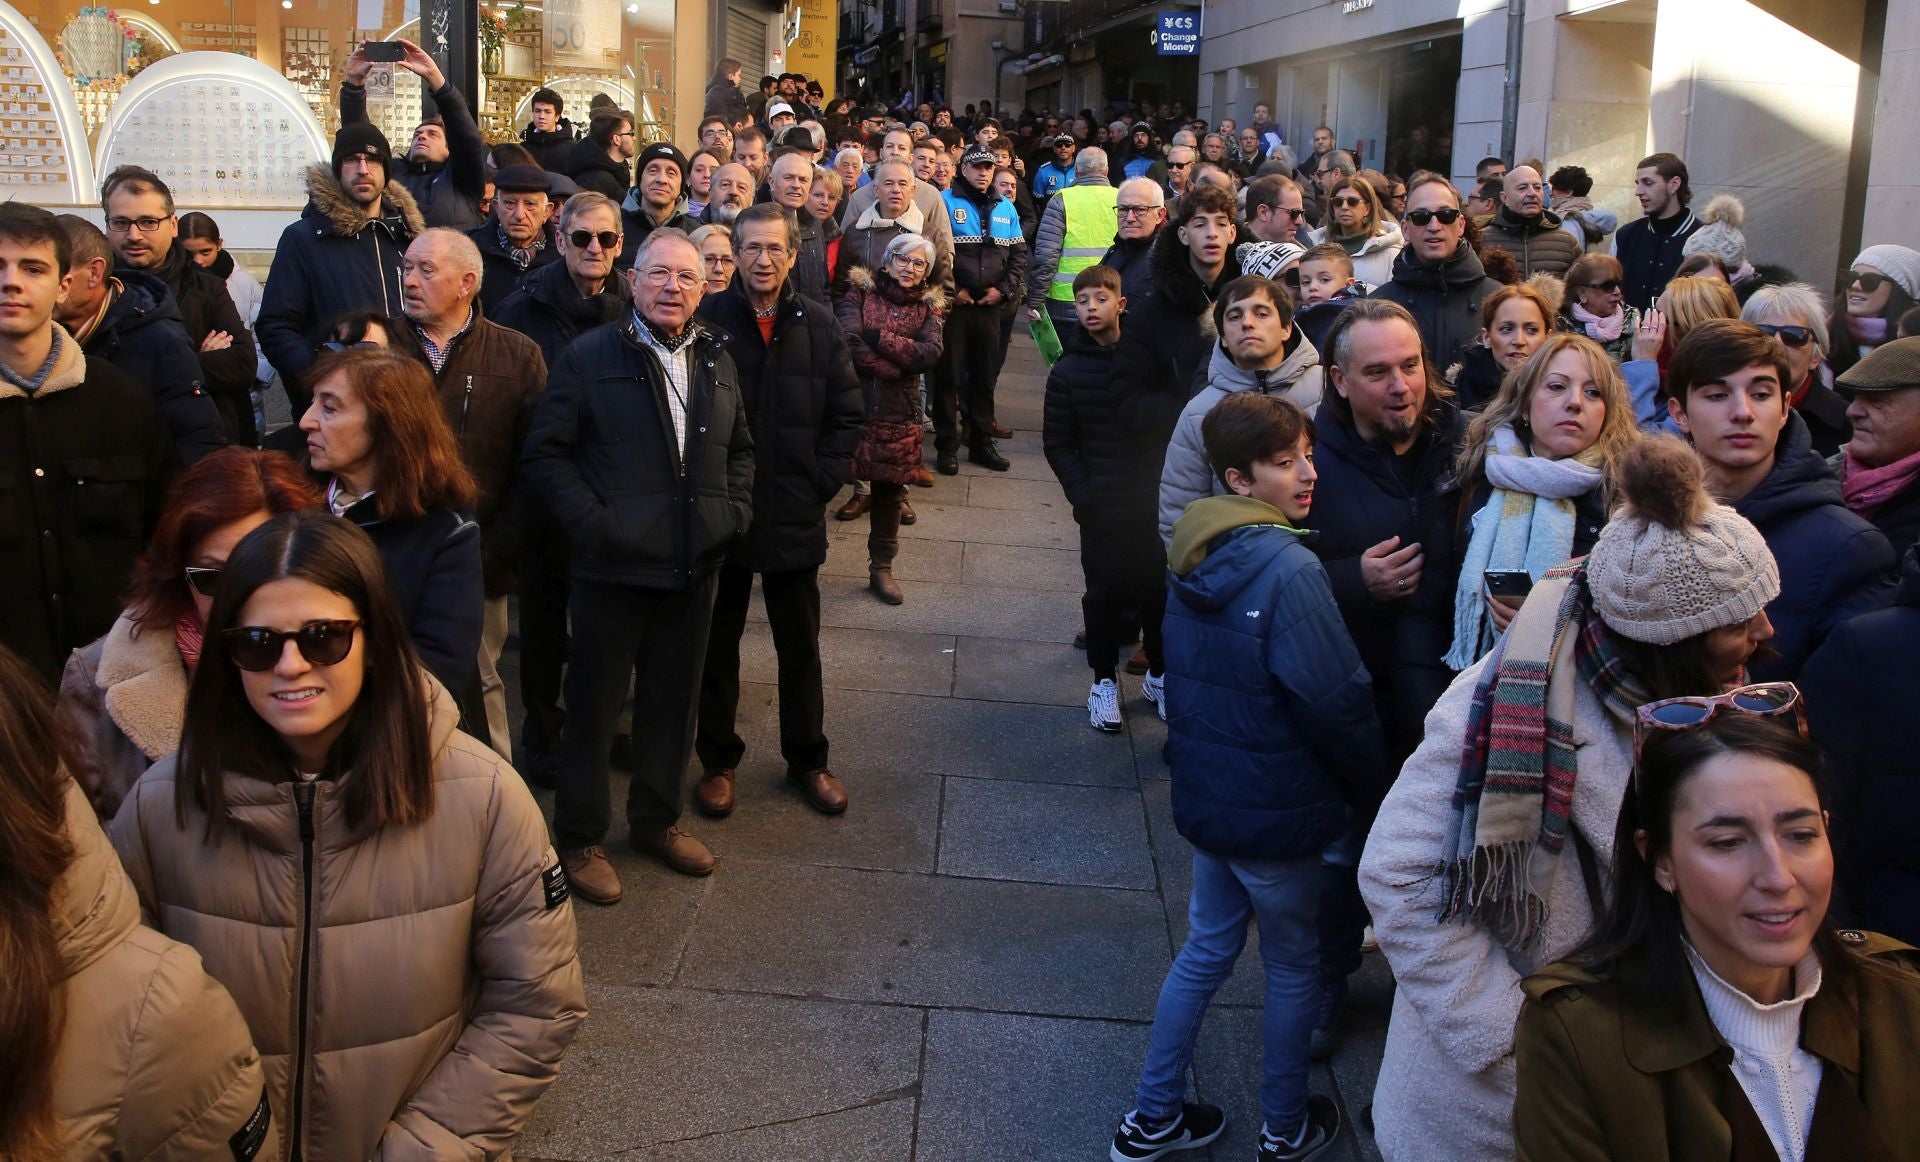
881, 583
678, 850
923, 477
823, 790
1137, 664
1001, 431
907, 515
714, 794
856, 506
590, 875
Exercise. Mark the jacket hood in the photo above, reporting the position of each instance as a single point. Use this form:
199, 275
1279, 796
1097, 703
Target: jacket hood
1343, 298
893, 292
93, 906
1224, 375
327, 203
1173, 275
588, 155
1800, 479
1462, 270
143, 301
1211, 559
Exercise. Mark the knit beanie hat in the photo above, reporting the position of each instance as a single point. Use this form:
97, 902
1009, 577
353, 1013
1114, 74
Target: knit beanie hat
1268, 259
361, 140
1720, 236
662, 151
1901, 264
1673, 564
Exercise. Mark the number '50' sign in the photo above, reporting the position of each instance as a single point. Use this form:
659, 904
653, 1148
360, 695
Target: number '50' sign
568, 35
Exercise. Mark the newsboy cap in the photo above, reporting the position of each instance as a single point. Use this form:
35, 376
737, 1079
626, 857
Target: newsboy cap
1888, 367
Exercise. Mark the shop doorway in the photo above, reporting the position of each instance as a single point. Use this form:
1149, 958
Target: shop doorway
1423, 78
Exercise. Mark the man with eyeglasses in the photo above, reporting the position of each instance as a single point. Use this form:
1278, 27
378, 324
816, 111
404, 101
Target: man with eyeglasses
1276, 210
1437, 277
804, 405
445, 168
142, 229
651, 527
717, 135
1076, 229
1141, 209
659, 179
602, 161
519, 239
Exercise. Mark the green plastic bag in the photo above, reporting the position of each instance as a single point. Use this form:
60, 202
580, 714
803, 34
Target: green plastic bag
1045, 338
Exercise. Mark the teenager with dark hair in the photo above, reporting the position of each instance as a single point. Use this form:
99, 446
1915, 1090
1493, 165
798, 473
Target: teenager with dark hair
1650, 247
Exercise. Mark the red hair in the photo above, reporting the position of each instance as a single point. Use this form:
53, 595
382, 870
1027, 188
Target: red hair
217, 490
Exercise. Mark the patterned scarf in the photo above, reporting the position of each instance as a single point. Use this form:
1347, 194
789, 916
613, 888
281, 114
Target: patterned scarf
1513, 804
188, 637
522, 255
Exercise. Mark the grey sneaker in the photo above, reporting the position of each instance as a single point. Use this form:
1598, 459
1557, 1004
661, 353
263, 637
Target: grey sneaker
1316, 1134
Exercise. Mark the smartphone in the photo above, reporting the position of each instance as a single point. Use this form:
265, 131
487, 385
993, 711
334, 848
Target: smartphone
1509, 585
384, 51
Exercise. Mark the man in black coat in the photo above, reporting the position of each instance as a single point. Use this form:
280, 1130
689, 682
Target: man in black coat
1141, 205
131, 321
640, 449
1438, 277
549, 136
1650, 247
85, 459
806, 410
518, 238
142, 229
445, 168
602, 161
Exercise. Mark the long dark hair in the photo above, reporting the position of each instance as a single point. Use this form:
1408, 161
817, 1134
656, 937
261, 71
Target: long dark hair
34, 854
1642, 920
383, 760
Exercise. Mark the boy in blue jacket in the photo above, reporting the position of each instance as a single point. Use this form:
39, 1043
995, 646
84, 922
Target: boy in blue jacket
1271, 734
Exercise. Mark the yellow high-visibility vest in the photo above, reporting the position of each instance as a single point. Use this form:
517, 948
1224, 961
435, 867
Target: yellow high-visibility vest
1092, 223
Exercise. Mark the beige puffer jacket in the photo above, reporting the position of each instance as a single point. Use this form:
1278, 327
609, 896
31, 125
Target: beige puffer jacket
155, 1061
411, 989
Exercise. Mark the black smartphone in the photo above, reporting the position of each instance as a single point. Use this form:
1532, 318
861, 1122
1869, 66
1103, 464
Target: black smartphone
1509, 585
384, 51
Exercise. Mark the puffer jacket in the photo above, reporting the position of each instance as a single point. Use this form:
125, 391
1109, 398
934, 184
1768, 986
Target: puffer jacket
1129, 256
333, 259
142, 334
1105, 467
1373, 260
805, 408
1271, 734
935, 224
552, 312
893, 335
1539, 245
1834, 565
723, 99
1185, 476
989, 251
864, 241
1316, 320
155, 1061
412, 989
1444, 300
123, 700
1167, 338
500, 275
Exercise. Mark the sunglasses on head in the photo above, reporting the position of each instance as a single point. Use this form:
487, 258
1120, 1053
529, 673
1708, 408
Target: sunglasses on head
1448, 215
322, 643
1866, 280
1791, 336
1764, 700
580, 238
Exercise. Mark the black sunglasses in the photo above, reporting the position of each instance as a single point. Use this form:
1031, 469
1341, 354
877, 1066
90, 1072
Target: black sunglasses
1448, 215
1791, 336
1866, 280
203, 581
256, 648
580, 238
1291, 277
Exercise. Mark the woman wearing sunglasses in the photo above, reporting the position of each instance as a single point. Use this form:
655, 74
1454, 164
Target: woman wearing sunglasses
1881, 285
1478, 867
1714, 1012
123, 698
1356, 221
374, 887
1794, 314
1594, 305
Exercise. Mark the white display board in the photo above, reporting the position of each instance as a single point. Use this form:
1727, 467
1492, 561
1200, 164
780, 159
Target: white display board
223, 129
43, 153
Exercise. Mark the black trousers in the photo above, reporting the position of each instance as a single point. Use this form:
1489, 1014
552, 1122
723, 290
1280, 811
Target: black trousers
963, 379
792, 601
659, 638
544, 582
1125, 569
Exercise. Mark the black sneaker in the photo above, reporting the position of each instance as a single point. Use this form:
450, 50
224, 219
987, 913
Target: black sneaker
1195, 1126
1331, 1007
987, 455
1323, 1126
946, 464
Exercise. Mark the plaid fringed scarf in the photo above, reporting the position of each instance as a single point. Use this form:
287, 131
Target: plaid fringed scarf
1513, 804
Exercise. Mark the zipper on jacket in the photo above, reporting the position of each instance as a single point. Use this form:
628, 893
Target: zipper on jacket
303, 801
466, 404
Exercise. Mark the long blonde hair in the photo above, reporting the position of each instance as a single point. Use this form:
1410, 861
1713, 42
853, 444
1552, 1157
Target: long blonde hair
1692, 301
1509, 407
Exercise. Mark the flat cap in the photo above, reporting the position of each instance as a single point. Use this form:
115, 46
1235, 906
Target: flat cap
1888, 367
526, 179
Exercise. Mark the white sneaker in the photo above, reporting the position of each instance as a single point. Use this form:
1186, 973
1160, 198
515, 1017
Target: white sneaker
1154, 688
1103, 706
1367, 941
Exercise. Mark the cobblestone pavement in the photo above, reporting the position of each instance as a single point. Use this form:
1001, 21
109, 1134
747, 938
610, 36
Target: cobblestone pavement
963, 967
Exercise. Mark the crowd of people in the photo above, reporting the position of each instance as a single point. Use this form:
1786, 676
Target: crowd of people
1525, 594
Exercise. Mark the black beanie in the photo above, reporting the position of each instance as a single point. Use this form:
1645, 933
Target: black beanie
361, 140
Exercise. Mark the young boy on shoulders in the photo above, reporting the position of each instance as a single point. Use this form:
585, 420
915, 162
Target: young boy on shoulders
1271, 733
1327, 287
1111, 478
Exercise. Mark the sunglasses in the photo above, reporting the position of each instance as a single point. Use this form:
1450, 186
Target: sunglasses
580, 238
1791, 336
1291, 277
255, 648
1448, 215
1349, 203
1865, 280
202, 580
1763, 700
1609, 286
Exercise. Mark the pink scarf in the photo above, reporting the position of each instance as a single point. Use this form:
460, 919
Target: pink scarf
1868, 488
188, 637
1598, 329
1871, 329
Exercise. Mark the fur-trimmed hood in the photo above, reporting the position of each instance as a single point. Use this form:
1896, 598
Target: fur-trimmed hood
69, 368
890, 289
329, 206
1173, 275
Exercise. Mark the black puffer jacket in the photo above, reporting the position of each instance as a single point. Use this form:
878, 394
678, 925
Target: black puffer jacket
551, 148
806, 411
206, 307
548, 310
142, 335
433, 566
448, 192
1166, 340
1363, 499
1109, 471
500, 275
635, 226
643, 509
1444, 300
1129, 256
592, 169
333, 260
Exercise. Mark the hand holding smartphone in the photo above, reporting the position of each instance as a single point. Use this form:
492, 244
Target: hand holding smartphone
384, 51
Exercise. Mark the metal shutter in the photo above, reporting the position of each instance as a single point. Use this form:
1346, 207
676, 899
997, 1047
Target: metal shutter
747, 43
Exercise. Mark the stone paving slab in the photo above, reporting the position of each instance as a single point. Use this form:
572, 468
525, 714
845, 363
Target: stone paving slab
882, 1132
892, 821
1015, 566
1227, 1073
940, 520
946, 608
1044, 833
1014, 495
925, 559
1008, 670
960, 736
864, 659
929, 940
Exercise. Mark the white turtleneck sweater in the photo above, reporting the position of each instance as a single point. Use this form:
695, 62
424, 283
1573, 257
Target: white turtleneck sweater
1781, 1080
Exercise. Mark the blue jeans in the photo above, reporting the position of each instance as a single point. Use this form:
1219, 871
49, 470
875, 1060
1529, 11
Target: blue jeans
1285, 896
